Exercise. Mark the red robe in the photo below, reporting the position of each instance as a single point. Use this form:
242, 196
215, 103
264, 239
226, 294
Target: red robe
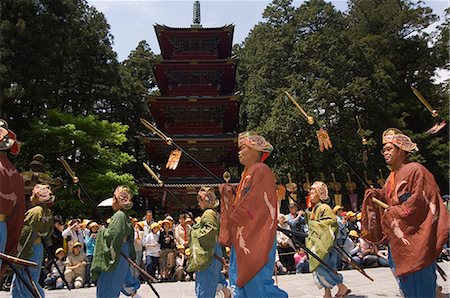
416, 223
12, 204
248, 220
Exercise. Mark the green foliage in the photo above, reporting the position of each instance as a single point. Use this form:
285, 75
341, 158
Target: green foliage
91, 147
339, 66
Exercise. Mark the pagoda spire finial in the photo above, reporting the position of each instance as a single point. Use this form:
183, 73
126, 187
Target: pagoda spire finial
196, 14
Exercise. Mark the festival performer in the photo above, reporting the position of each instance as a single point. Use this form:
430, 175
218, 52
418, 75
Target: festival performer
416, 222
249, 221
323, 227
12, 195
206, 251
110, 269
38, 225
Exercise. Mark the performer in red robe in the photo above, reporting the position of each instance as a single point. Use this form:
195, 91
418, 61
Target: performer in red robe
249, 221
416, 222
12, 195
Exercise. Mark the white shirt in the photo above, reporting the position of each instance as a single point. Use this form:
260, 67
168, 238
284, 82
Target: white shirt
152, 245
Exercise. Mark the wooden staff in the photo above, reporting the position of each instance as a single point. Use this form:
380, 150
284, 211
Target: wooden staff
19, 261
335, 148
171, 142
30, 288
161, 184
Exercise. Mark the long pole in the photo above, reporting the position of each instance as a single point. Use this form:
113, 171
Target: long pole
147, 276
171, 142
30, 288
162, 184
338, 152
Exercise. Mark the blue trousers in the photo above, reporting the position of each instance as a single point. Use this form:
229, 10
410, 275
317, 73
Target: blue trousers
323, 277
418, 284
206, 281
110, 284
261, 285
18, 289
3, 237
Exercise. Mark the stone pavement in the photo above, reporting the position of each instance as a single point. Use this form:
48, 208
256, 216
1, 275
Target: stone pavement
302, 285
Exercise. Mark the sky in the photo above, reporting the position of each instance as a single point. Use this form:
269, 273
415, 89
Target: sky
132, 21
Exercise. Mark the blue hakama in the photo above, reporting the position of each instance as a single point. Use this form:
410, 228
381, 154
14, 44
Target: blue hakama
418, 284
323, 277
18, 289
110, 284
261, 285
206, 280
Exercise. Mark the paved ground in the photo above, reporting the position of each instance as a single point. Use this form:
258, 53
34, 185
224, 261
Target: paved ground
302, 285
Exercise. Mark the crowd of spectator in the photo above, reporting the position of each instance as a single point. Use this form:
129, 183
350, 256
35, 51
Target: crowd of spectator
162, 248
292, 259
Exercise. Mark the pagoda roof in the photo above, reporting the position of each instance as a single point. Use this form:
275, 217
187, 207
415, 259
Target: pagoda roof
202, 115
193, 98
195, 42
196, 138
195, 78
228, 27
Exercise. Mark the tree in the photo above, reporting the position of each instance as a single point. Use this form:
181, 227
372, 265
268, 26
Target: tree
91, 147
54, 54
340, 66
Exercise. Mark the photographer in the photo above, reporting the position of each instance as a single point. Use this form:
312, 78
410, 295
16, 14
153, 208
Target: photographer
72, 234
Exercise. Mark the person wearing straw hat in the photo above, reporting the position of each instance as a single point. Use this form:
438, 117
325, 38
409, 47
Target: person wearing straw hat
323, 228
38, 225
167, 244
54, 279
12, 195
248, 220
109, 268
152, 249
76, 266
206, 252
415, 222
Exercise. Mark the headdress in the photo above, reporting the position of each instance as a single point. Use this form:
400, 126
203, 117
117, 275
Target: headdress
208, 194
123, 196
257, 142
42, 193
399, 139
322, 190
8, 139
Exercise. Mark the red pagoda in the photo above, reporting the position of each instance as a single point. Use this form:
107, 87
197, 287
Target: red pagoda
197, 108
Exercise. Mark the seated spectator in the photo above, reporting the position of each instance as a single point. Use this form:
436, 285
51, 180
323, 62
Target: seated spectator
301, 261
180, 273
54, 280
352, 222
285, 246
75, 267
368, 254
353, 248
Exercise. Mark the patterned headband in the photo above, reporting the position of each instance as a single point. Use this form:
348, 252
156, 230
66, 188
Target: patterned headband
402, 141
257, 142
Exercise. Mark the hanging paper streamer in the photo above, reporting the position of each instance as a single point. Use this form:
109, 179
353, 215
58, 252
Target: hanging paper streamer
174, 159
324, 140
436, 128
336, 187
